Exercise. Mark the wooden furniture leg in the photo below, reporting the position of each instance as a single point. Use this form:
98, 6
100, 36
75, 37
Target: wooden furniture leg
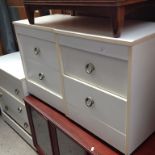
30, 14
118, 15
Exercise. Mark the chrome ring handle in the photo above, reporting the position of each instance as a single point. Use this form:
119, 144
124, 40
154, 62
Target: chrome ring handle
26, 125
6, 108
36, 50
89, 102
19, 109
41, 76
89, 68
17, 91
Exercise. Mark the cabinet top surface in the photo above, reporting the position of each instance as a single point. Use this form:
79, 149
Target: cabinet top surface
12, 64
83, 2
93, 28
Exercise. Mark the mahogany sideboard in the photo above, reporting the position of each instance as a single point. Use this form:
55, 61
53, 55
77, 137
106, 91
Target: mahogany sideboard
116, 9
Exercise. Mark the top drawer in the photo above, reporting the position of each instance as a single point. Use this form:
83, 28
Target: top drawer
98, 47
13, 85
108, 70
38, 46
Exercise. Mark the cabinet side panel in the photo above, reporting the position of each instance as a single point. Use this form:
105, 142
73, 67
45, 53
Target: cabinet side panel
142, 94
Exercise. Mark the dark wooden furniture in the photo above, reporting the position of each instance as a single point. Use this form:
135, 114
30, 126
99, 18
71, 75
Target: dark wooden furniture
54, 134
116, 9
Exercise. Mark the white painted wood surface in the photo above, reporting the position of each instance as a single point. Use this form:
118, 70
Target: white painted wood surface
106, 118
46, 95
127, 62
51, 80
106, 107
141, 108
95, 47
46, 55
13, 85
12, 77
109, 73
12, 107
12, 65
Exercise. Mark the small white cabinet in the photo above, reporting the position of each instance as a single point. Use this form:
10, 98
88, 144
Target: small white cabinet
103, 83
12, 91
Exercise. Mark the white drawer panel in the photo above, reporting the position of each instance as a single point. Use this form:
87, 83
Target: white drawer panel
41, 51
13, 85
105, 118
15, 109
33, 31
46, 95
105, 72
98, 47
44, 76
98, 128
106, 107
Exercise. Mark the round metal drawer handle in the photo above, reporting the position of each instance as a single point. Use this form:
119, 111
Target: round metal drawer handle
6, 108
26, 125
36, 50
17, 91
89, 102
41, 76
19, 109
89, 68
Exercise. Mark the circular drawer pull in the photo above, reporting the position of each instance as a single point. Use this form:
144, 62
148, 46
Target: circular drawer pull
17, 91
89, 68
26, 125
6, 108
19, 109
89, 102
36, 50
41, 76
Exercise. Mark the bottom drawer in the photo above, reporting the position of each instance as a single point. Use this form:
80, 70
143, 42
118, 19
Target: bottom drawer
18, 129
101, 113
47, 96
15, 109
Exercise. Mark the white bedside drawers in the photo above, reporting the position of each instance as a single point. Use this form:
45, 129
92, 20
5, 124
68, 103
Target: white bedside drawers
12, 91
41, 62
104, 84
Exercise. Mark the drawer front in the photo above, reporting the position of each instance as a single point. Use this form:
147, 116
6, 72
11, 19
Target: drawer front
104, 106
13, 85
15, 109
97, 111
97, 47
47, 96
105, 72
38, 50
44, 76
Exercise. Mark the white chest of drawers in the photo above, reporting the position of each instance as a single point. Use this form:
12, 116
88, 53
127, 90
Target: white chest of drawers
103, 83
12, 90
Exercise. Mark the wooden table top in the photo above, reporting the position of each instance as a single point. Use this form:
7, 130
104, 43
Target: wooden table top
84, 2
